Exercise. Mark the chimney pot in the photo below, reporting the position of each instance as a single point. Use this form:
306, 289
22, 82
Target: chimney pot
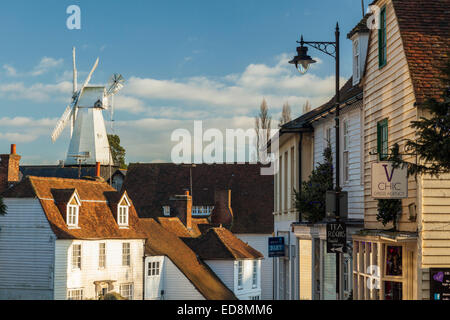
97, 169
13, 149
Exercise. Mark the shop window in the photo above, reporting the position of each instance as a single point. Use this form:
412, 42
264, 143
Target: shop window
392, 290
394, 261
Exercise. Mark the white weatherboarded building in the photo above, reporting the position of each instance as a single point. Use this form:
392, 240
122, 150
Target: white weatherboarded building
69, 239
173, 271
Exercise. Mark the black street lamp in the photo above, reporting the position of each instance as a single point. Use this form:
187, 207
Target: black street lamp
302, 61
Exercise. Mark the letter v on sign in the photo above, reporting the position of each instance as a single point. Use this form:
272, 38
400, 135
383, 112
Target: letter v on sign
389, 178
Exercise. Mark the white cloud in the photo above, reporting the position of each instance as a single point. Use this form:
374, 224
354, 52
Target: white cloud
10, 71
37, 92
234, 94
45, 65
25, 129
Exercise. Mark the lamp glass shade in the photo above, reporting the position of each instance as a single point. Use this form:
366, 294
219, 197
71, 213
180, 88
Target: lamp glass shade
303, 66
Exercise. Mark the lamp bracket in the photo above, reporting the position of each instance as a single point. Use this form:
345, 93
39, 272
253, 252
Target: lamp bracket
326, 47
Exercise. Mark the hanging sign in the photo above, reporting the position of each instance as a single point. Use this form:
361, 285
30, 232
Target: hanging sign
439, 284
387, 182
336, 237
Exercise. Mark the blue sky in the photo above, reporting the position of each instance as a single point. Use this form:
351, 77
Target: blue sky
183, 61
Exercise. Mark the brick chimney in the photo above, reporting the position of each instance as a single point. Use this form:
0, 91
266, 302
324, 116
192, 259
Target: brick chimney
9, 169
222, 212
182, 208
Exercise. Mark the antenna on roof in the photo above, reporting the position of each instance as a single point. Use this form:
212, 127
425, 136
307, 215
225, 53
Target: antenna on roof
362, 7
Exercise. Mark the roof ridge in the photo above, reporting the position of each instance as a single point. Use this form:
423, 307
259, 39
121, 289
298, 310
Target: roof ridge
64, 179
223, 242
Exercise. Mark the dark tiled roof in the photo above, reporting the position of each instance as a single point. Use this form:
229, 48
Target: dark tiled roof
151, 185
347, 92
96, 217
221, 244
360, 27
57, 171
162, 242
425, 31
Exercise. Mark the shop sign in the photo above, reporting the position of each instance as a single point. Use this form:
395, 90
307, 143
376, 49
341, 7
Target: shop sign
439, 283
276, 247
389, 182
336, 237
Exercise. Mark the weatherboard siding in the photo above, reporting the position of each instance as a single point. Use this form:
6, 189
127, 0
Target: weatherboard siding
224, 269
260, 242
388, 93
177, 286
26, 251
354, 187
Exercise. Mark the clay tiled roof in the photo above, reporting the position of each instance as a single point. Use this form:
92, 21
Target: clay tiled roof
162, 242
174, 225
425, 31
221, 244
151, 185
96, 217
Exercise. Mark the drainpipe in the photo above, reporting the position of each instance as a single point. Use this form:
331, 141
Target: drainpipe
300, 171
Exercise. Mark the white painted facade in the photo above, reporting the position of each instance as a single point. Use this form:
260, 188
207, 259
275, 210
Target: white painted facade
285, 269
36, 265
168, 282
69, 278
228, 272
260, 242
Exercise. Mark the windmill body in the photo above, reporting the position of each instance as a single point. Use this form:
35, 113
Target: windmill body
89, 141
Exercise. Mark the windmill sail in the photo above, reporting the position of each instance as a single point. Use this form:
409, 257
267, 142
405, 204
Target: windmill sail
62, 122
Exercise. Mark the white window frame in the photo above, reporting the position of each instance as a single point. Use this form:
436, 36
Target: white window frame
123, 216
126, 290
255, 298
75, 294
102, 255
240, 274
123, 212
345, 151
76, 260
126, 254
255, 274
202, 210
166, 211
72, 215
154, 268
356, 61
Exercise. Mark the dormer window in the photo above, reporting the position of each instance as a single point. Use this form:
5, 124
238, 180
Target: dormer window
73, 211
123, 216
72, 215
123, 211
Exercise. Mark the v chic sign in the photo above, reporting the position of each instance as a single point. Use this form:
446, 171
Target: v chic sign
387, 182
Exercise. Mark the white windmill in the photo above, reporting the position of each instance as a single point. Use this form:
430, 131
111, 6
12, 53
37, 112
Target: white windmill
89, 141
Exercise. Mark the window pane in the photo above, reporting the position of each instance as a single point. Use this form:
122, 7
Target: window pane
393, 261
392, 290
